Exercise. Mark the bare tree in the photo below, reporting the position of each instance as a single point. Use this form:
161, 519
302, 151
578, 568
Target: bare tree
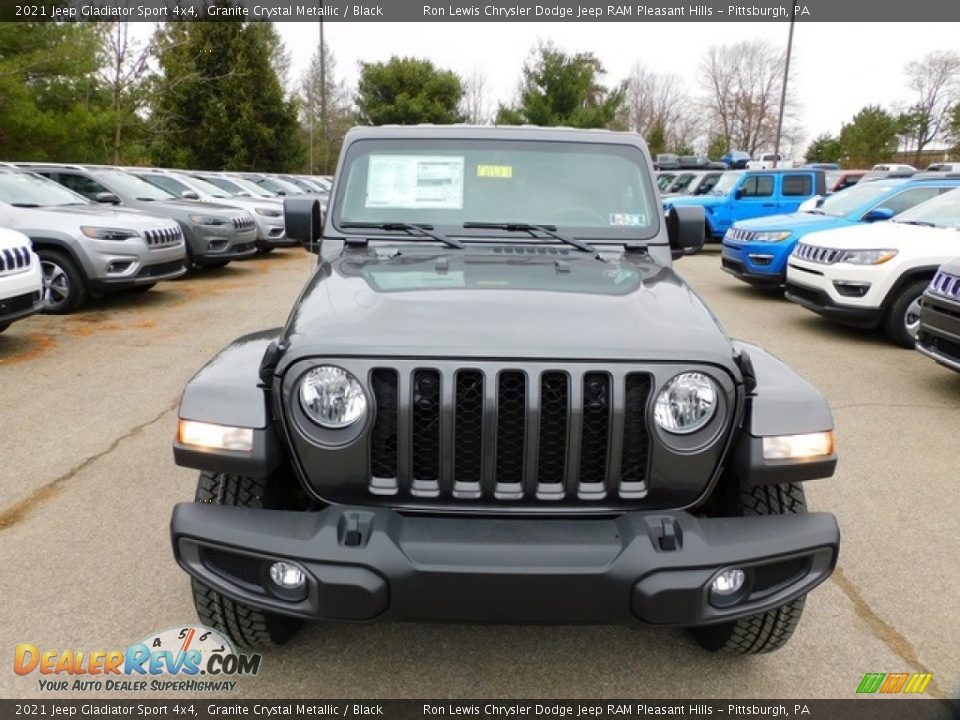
327, 111
934, 78
474, 104
659, 102
742, 83
128, 63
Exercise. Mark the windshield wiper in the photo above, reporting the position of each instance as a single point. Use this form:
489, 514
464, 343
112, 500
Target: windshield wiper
25, 205
415, 229
921, 223
549, 230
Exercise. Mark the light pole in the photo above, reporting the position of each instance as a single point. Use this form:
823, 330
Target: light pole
783, 88
323, 98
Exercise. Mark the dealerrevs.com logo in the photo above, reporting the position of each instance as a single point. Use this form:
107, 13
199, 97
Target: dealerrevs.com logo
188, 659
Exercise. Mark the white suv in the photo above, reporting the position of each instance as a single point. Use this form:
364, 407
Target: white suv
21, 280
874, 275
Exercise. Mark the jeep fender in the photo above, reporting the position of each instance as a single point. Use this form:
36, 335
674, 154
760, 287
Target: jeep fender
781, 402
65, 244
228, 391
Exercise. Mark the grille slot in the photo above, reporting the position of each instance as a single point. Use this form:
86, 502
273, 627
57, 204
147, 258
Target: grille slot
468, 431
511, 429
552, 447
426, 432
946, 284
506, 434
636, 440
383, 435
594, 434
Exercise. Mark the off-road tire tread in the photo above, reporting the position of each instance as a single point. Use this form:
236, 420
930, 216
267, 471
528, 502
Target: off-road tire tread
768, 631
249, 628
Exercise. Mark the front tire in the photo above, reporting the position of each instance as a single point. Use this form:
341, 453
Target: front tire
768, 631
248, 627
64, 287
902, 321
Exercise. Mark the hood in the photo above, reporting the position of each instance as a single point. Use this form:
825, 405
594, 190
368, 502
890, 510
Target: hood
243, 203
803, 222
10, 239
97, 215
498, 304
884, 235
180, 207
696, 200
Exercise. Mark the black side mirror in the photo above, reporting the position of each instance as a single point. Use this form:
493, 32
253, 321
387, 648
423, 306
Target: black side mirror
107, 198
303, 218
686, 228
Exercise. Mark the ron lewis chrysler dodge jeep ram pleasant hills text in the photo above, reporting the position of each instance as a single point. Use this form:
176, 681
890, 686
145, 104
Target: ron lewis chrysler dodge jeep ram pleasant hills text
496, 401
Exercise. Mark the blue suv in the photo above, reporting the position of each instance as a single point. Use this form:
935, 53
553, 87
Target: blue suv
756, 251
741, 195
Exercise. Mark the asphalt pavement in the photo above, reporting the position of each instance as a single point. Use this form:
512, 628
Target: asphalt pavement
87, 482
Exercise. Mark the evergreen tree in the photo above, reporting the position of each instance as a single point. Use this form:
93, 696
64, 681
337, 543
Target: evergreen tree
219, 103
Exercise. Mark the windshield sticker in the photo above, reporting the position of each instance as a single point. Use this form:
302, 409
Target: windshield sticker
628, 219
495, 171
416, 280
415, 182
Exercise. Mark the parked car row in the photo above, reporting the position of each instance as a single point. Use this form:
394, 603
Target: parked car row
883, 254
70, 232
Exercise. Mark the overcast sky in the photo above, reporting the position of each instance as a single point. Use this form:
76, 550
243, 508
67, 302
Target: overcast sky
839, 67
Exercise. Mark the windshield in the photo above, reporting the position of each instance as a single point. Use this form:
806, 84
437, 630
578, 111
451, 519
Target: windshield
853, 200
588, 190
943, 210
203, 186
726, 183
164, 182
130, 186
277, 185
28, 190
244, 185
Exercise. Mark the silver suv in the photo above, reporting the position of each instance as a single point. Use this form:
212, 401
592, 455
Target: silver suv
214, 234
266, 212
87, 249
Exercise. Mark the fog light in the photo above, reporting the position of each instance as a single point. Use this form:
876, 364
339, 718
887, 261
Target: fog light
287, 575
728, 582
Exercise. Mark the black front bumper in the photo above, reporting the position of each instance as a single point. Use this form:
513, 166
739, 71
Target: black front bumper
367, 563
817, 300
939, 334
736, 268
20, 306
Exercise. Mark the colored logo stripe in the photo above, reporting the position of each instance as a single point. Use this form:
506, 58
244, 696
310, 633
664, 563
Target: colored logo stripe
894, 683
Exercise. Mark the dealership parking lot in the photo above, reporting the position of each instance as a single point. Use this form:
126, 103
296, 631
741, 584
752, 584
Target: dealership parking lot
88, 481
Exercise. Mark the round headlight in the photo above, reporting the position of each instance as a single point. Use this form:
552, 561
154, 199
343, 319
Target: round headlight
332, 397
687, 403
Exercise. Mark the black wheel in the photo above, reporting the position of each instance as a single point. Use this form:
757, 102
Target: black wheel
246, 626
4, 326
64, 288
143, 288
265, 249
771, 630
214, 265
902, 321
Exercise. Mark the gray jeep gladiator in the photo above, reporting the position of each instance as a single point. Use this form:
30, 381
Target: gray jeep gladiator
495, 401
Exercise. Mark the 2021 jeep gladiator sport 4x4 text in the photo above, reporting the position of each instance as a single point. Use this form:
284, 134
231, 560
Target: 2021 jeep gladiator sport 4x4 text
496, 401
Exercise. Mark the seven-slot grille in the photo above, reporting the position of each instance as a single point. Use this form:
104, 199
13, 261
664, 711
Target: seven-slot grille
946, 284
813, 253
741, 235
14, 260
243, 222
510, 434
164, 237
